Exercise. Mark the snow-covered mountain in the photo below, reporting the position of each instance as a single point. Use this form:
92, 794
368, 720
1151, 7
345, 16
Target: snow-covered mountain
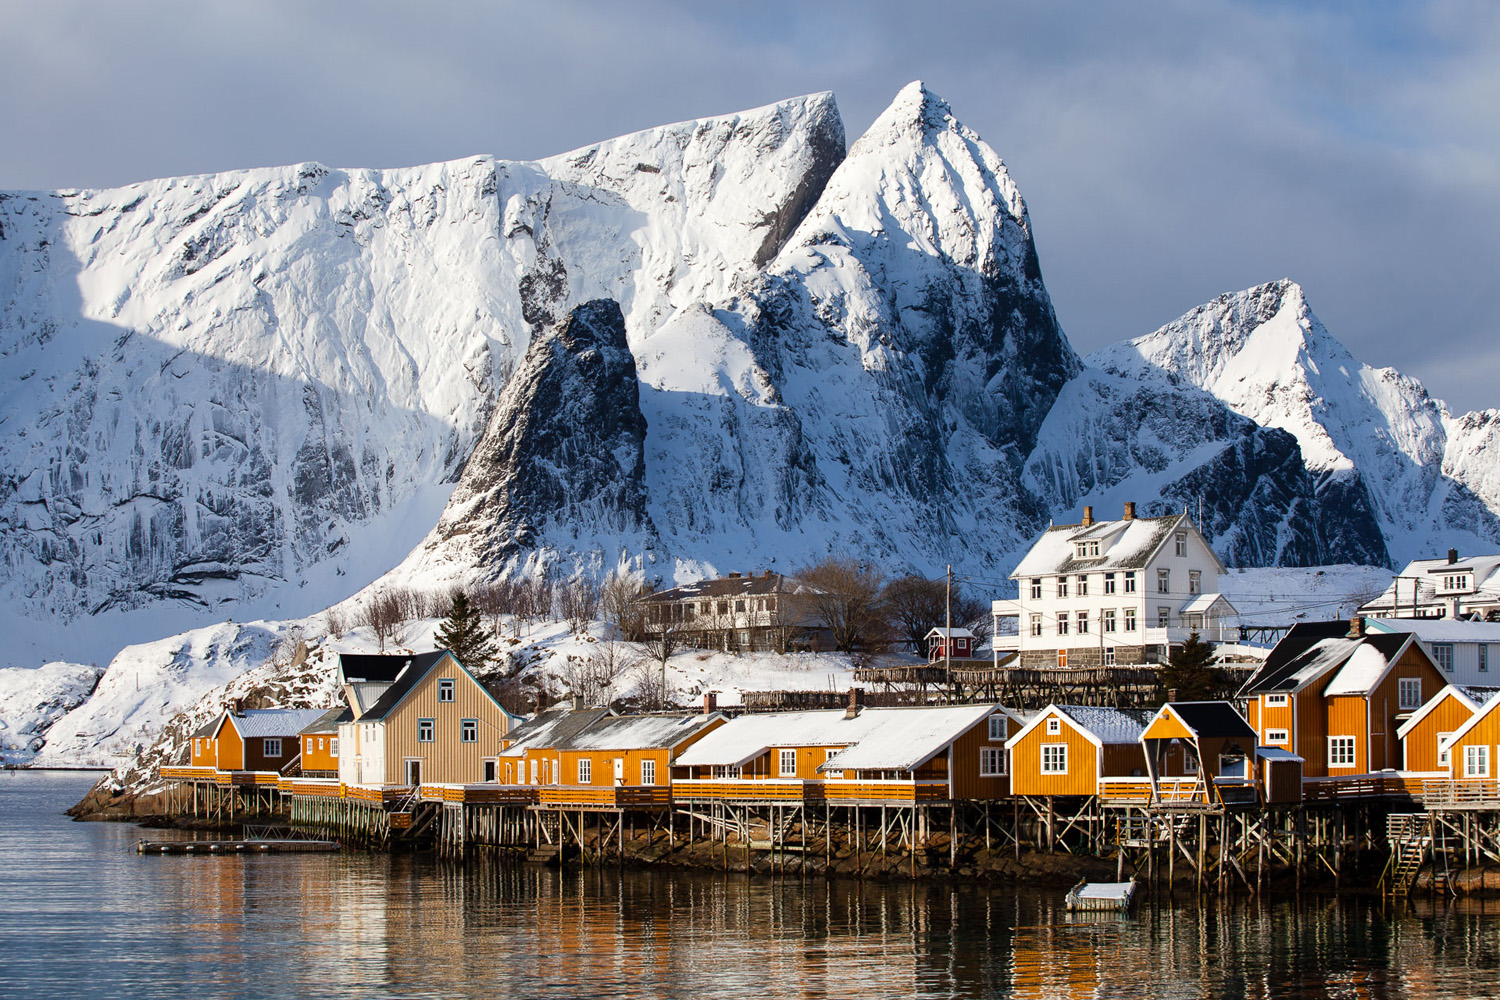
718, 345
1377, 443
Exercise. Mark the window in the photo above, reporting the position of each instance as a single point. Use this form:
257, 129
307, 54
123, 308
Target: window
1109, 621
1083, 622
445, 689
1062, 657
1062, 623
424, 730
788, 763
1409, 690
468, 731
1109, 583
1163, 617
1476, 762
1276, 701
648, 772
1444, 756
728, 771
1054, 726
834, 773
771, 603
1442, 652
1083, 586
1109, 656
585, 771
1130, 582
1130, 619
1484, 658
739, 606
1054, 758
1036, 588
1036, 624
997, 726
1062, 586
197, 747
333, 747
1182, 543
991, 762
533, 770
1195, 581
1276, 735
1341, 751
1088, 549
271, 746
1163, 581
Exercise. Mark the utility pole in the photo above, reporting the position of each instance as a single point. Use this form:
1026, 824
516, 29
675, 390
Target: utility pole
948, 639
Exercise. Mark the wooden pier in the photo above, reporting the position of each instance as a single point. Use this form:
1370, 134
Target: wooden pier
221, 847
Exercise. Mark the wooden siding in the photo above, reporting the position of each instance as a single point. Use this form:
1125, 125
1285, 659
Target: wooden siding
967, 781
1124, 760
1485, 733
446, 759
602, 767
1421, 744
317, 752
1310, 736
1026, 762
1167, 727
1385, 705
1347, 716
229, 749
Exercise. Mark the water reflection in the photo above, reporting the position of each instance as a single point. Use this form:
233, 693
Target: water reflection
82, 915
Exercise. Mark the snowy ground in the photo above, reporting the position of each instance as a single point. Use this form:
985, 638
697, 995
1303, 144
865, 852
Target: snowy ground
32, 700
1287, 596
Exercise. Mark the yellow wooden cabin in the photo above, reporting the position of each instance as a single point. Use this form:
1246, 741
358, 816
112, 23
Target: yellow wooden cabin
432, 723
257, 739
624, 761
1472, 750
1337, 696
1202, 752
1076, 750
1425, 735
320, 744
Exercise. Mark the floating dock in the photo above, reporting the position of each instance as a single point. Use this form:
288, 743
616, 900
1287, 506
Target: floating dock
207, 847
1101, 896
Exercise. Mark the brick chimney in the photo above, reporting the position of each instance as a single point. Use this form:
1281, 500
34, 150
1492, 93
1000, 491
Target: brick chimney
1088, 516
856, 702
578, 705
710, 703
1130, 510
237, 706
1356, 627
1452, 556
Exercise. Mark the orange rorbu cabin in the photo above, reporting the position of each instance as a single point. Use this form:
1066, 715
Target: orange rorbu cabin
320, 744
1202, 752
1078, 750
1336, 697
1424, 736
623, 761
1472, 763
529, 753
258, 739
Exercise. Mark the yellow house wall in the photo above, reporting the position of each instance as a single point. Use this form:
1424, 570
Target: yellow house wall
445, 760
1026, 763
1421, 749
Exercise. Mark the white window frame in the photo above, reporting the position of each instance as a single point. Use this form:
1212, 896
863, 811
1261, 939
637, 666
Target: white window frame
991, 762
1062, 586
1083, 585
836, 774
447, 689
997, 726
1082, 620
1109, 620
1276, 701
333, 747
1195, 581
1130, 624
1036, 588
729, 771
1343, 751
1109, 583
585, 770
1036, 624
1062, 623
1477, 760
648, 771
1130, 581
787, 764
270, 746
1053, 758
1109, 656
1054, 726
1278, 736
1163, 617
1163, 581
1408, 693
1181, 543
1445, 754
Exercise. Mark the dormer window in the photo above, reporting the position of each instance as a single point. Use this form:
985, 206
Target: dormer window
1088, 549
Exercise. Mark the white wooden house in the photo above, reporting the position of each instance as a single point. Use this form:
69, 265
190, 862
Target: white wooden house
1106, 593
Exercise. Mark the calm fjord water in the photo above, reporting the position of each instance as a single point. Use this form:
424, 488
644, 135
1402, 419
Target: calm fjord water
83, 915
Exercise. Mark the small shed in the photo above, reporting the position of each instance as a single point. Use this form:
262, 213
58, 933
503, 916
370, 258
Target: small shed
963, 641
1280, 775
1205, 740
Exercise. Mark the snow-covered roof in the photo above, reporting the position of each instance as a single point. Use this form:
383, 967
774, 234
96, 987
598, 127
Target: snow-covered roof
1304, 656
1485, 569
638, 732
260, 722
1205, 603
1099, 725
1123, 545
904, 738
957, 633
743, 739
1360, 672
730, 586
328, 722
549, 729
1439, 629
1276, 753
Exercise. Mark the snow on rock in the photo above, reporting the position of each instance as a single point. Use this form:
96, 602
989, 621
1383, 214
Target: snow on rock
1374, 437
32, 700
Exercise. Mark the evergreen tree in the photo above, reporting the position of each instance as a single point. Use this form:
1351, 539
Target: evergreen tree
1191, 671
463, 634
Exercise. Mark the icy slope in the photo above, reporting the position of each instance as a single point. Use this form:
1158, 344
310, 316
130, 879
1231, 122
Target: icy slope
31, 701
217, 383
1375, 437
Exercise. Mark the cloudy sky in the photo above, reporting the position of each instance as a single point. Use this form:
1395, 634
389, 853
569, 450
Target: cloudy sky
1168, 151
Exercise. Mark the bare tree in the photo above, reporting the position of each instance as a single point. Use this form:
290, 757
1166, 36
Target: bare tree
383, 613
593, 675
578, 602
843, 593
914, 607
621, 599
652, 690
337, 623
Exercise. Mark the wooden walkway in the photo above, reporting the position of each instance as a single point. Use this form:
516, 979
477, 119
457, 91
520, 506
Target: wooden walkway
211, 847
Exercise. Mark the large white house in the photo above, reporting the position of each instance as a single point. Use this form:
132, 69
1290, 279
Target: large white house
1106, 593
1442, 588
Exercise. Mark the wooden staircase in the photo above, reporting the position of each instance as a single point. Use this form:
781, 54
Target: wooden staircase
545, 854
1410, 837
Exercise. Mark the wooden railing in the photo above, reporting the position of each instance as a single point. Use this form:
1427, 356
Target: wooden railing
1361, 786
741, 789
604, 796
838, 792
1460, 792
480, 793
189, 773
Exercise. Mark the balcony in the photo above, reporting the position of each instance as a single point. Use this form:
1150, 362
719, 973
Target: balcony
885, 792
604, 796
758, 790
